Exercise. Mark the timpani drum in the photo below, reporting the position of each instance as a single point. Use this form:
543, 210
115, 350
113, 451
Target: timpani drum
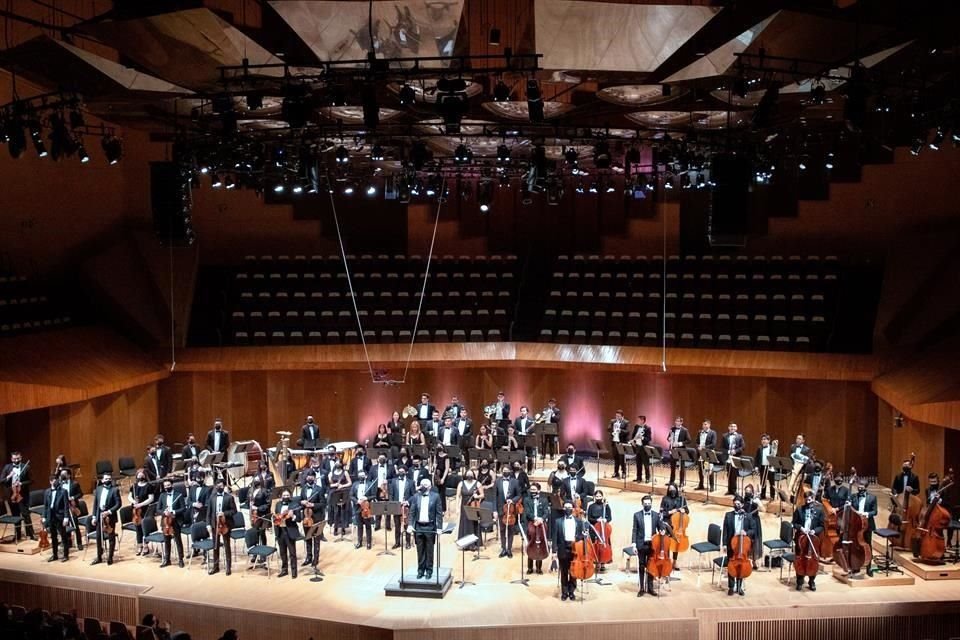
346, 449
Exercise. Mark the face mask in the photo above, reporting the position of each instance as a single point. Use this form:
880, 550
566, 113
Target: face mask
534, 493
906, 470
646, 507
338, 468
286, 501
469, 477
570, 451
568, 511
673, 492
423, 490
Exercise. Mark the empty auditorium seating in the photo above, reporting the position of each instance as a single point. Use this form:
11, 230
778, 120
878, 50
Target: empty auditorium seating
27, 306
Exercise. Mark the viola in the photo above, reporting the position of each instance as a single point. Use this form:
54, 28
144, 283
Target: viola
106, 523
307, 518
365, 511
222, 527
740, 565
137, 516
537, 548
583, 565
659, 565
830, 537
807, 560
853, 550
43, 542
279, 519
510, 512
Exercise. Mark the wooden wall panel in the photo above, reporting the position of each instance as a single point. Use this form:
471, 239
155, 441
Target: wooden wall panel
896, 443
29, 433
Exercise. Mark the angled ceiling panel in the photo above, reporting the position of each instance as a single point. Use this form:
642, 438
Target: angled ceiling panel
718, 61
592, 36
401, 29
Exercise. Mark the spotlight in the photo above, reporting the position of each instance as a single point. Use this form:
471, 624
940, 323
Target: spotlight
803, 165
348, 189
701, 181
297, 189
571, 156
113, 149
501, 92
231, 183
462, 154
376, 153
554, 192
419, 154
579, 188
336, 96
407, 95
295, 109
403, 190
916, 146
503, 154
279, 188
82, 152
216, 182
485, 195
526, 197
534, 101
829, 163
254, 102
452, 103
504, 180
204, 169
37, 137
371, 190
668, 183
937, 140
593, 187
343, 156
61, 142
610, 188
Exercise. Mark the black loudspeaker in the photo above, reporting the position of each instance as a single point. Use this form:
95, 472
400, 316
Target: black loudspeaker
171, 203
730, 206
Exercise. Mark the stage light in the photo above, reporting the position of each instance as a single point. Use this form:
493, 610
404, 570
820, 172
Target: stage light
503, 154
803, 165
231, 183
37, 137
348, 189
371, 190
204, 170
685, 182
16, 139
462, 154
829, 162
593, 187
82, 152
916, 146
279, 188
504, 181
403, 190
295, 109
494, 38
701, 181
611, 188
407, 95
501, 92
485, 195
579, 187
534, 101
452, 103
254, 102
554, 192
419, 154
113, 149
61, 141
336, 96
297, 189
937, 139
376, 153
343, 156
526, 197
216, 182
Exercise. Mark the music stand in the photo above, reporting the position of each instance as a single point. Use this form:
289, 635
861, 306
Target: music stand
482, 454
779, 465
338, 498
418, 450
709, 456
744, 467
478, 515
523, 545
464, 544
624, 450
454, 453
313, 444
509, 457
387, 509
528, 443
448, 528
688, 459
376, 452
547, 430
653, 453
313, 533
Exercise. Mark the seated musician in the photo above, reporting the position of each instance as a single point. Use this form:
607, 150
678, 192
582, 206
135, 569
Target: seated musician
171, 505
382, 439
287, 533
566, 531
599, 511
734, 523
415, 435
536, 510
646, 523
484, 440
141, 497
671, 503
807, 520
509, 441
396, 428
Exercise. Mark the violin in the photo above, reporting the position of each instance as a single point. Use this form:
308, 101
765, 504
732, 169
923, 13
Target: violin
510, 514
43, 542
853, 550
16, 487
279, 519
137, 516
307, 517
168, 524
659, 565
222, 527
931, 545
537, 548
106, 523
807, 559
365, 512
740, 564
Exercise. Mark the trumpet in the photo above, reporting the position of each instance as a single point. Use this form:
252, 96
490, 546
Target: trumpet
489, 410
408, 412
544, 416
773, 447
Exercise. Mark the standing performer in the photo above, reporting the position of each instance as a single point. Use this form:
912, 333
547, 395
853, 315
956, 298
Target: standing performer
361, 495
453, 409
751, 506
74, 500
464, 425
807, 520
642, 435
866, 505
677, 439
338, 516
673, 502
401, 490
16, 474
217, 438
501, 412
536, 511
141, 497
309, 434
508, 492
425, 410
706, 441
426, 520
55, 518
221, 506
523, 426
734, 445
106, 505
906, 480
618, 430
551, 415
765, 451
190, 451
566, 531
646, 523
163, 454
310, 498
171, 506
735, 522
286, 531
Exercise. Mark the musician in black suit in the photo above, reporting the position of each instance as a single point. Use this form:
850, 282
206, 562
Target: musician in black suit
381, 473
573, 460
426, 520
760, 459
646, 524
259, 500
190, 451
288, 533
74, 498
706, 441
618, 430
677, 438
736, 522
418, 471
523, 426
163, 454
507, 491
309, 434
171, 503
106, 505
733, 445
360, 462
906, 480
448, 435
55, 518
799, 451
432, 426
866, 505
464, 424
220, 503
310, 496
152, 465
837, 493
18, 471
523, 480
536, 510
217, 438
552, 416
454, 408
425, 410
198, 494
402, 489
571, 484
501, 412
566, 531
362, 491
807, 520
642, 435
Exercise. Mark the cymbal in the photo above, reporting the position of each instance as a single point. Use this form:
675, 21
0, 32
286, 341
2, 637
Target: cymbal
284, 433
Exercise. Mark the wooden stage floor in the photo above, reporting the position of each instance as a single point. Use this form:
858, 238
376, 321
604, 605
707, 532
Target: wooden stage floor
351, 595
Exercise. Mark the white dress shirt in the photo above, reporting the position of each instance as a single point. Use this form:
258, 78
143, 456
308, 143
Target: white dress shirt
647, 526
569, 529
424, 517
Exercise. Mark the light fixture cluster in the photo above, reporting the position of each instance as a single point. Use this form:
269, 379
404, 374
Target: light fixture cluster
55, 127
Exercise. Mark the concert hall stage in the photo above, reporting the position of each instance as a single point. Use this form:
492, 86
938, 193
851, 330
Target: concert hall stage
350, 601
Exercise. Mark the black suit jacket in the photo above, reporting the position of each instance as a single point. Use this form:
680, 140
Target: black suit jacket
434, 514
153, 468
639, 533
683, 438
25, 480
112, 504
408, 490
369, 490
305, 432
190, 451
201, 494
749, 527
166, 459
816, 518
429, 416
224, 441
292, 524
624, 431
513, 492
543, 509
178, 504
565, 486
74, 491
913, 482
416, 475
577, 460
453, 410
454, 436
229, 508
643, 433
869, 507
518, 430
711, 441
374, 474
560, 546
738, 444
56, 511
837, 495
356, 466
467, 427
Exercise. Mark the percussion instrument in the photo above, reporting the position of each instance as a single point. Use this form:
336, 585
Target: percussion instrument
346, 449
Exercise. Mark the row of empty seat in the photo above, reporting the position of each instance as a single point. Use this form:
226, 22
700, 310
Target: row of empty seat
379, 319
370, 336
25, 306
334, 300
683, 340
722, 264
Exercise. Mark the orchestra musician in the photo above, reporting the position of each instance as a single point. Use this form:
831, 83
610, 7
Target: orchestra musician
151, 465
190, 450
426, 520
18, 472
706, 441
573, 460
401, 490
906, 480
838, 493
453, 409
259, 502
287, 533
74, 500
808, 520
507, 491
551, 415
60, 464
677, 438
671, 503
464, 424
425, 410
751, 506
223, 504
799, 451
566, 531
501, 411
415, 435
733, 445
536, 510
171, 503
764, 452
642, 436
646, 523
396, 428
599, 511
198, 495
217, 438
382, 439
141, 497
523, 426
735, 522
471, 494
523, 480
448, 435
508, 442
360, 462
106, 505
618, 429
866, 505
382, 473
418, 471
265, 476
434, 425
163, 454
441, 471
362, 491
309, 434
338, 516
485, 476
55, 518
310, 497
483, 440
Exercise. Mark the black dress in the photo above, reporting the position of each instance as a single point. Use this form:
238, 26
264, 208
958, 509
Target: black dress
752, 509
466, 527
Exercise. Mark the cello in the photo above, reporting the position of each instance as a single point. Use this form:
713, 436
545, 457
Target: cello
659, 565
604, 532
537, 548
583, 565
905, 514
853, 551
740, 564
679, 541
807, 560
930, 545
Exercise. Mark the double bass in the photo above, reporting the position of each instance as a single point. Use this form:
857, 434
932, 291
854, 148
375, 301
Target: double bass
740, 564
930, 545
830, 537
905, 515
807, 559
853, 551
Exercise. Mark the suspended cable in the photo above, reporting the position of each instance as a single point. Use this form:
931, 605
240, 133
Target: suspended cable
663, 312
